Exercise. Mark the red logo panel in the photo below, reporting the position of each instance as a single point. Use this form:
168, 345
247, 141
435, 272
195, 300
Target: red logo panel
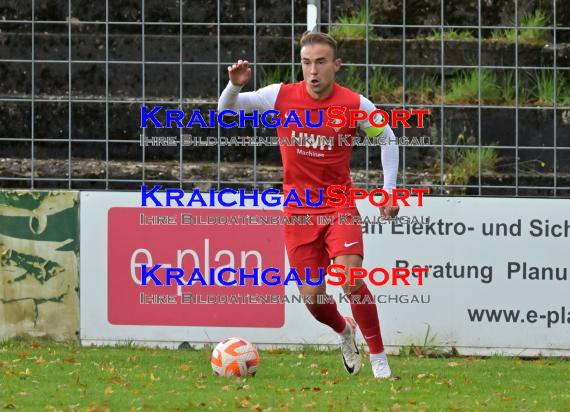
189, 246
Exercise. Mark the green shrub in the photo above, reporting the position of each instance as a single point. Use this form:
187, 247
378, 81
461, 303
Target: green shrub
528, 31
467, 164
426, 89
452, 34
358, 31
384, 87
465, 87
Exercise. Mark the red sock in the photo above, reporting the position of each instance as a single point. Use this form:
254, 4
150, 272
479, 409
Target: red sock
366, 316
328, 314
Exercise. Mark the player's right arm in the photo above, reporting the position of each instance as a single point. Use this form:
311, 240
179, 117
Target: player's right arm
231, 98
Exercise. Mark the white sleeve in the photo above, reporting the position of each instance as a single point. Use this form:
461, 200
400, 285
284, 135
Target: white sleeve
390, 160
390, 152
262, 99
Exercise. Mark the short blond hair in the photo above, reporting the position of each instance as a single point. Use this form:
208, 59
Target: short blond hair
315, 37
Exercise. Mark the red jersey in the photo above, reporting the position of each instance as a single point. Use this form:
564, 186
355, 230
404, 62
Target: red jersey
315, 166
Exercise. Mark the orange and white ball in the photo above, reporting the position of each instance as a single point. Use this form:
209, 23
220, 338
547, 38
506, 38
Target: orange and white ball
235, 357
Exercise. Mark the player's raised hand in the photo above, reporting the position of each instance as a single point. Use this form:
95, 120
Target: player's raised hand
389, 210
240, 73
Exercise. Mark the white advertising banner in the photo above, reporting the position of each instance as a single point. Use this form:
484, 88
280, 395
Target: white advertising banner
498, 278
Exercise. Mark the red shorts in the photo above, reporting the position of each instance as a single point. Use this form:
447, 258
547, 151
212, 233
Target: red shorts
313, 246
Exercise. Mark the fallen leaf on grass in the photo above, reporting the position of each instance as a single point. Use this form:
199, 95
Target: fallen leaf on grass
395, 389
452, 364
184, 367
40, 361
108, 390
115, 379
419, 353
98, 408
243, 403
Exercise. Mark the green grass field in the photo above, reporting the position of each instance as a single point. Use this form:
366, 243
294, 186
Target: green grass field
50, 376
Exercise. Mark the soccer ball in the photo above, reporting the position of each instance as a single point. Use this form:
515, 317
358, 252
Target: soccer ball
234, 357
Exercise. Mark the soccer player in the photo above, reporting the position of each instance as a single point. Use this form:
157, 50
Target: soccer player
318, 167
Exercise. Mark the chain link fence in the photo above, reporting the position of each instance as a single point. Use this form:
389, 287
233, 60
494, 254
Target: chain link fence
495, 76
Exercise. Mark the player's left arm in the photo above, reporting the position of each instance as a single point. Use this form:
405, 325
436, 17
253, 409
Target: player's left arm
390, 152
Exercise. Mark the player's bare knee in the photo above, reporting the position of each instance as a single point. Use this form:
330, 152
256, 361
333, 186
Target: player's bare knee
353, 278
348, 288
